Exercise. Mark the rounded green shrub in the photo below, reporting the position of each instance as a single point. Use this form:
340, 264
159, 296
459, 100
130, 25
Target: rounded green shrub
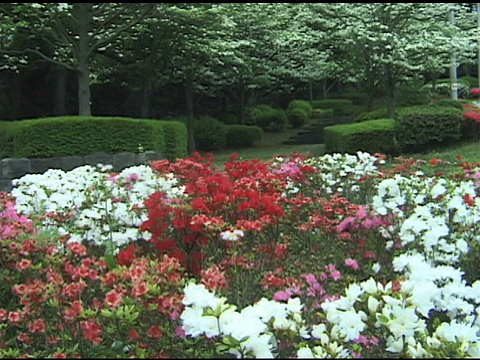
297, 117
300, 104
269, 118
209, 134
239, 136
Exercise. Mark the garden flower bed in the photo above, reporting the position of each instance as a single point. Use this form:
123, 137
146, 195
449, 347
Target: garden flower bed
296, 257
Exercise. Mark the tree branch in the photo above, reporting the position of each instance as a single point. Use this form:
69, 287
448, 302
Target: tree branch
41, 55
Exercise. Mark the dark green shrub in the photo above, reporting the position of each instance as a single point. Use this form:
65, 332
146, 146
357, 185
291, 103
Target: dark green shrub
229, 119
269, 118
412, 93
422, 126
449, 102
239, 136
300, 104
369, 136
340, 107
322, 113
297, 117
470, 81
209, 134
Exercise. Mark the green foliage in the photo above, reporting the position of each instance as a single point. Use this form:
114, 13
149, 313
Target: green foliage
300, 104
380, 113
64, 136
297, 117
470, 81
229, 119
175, 139
7, 130
80, 136
422, 126
340, 107
443, 87
239, 136
322, 113
210, 134
449, 103
412, 93
269, 118
370, 136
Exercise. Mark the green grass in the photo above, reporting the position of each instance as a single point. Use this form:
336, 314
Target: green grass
451, 157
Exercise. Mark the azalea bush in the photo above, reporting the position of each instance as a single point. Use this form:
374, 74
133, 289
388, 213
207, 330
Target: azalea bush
298, 256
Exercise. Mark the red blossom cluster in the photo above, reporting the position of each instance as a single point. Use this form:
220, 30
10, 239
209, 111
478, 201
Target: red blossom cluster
72, 297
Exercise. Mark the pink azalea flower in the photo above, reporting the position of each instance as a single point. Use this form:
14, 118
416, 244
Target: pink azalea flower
352, 263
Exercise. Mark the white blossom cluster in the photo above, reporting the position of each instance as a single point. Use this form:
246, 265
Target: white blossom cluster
252, 328
436, 217
398, 316
342, 172
105, 207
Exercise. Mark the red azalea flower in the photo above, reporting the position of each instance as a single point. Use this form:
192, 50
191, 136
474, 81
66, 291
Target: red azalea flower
113, 299
38, 326
134, 335
155, 332
475, 91
435, 161
469, 200
91, 331
126, 256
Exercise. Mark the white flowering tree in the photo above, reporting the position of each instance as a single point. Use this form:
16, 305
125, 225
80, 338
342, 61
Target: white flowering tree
390, 42
202, 43
71, 34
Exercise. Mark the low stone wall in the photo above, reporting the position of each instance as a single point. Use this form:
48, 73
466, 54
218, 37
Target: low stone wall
14, 168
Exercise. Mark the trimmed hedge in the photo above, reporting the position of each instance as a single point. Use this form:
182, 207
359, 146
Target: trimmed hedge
209, 134
7, 132
176, 139
340, 107
80, 136
239, 136
370, 136
420, 126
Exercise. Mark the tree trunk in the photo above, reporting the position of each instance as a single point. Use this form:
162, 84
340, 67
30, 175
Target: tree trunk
390, 91
241, 102
145, 100
83, 75
59, 106
83, 56
190, 114
16, 97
